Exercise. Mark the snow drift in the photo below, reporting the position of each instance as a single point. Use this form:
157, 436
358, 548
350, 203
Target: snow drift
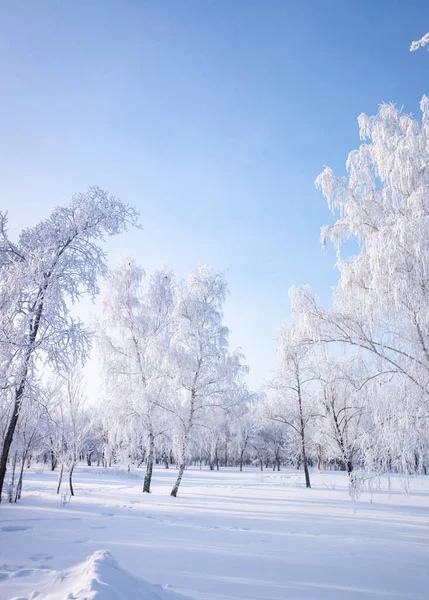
99, 577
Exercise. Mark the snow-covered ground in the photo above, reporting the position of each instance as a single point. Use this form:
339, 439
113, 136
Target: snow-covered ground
228, 536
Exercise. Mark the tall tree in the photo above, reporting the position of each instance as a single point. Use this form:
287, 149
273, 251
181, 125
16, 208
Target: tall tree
206, 373
293, 404
134, 336
52, 264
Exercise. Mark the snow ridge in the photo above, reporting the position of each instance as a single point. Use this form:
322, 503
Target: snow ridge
100, 577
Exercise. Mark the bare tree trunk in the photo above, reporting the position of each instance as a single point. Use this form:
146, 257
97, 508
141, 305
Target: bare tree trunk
53, 461
185, 441
60, 477
149, 463
179, 479
306, 472
241, 460
19, 392
302, 431
71, 478
12, 483
10, 433
21, 475
182, 465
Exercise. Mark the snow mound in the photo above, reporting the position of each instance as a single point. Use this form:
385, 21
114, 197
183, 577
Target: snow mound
100, 577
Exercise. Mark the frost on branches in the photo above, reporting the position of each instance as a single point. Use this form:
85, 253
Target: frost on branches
381, 303
52, 264
134, 340
205, 373
424, 41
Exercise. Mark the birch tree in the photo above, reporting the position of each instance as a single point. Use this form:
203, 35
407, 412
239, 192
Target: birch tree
51, 265
134, 339
205, 372
293, 403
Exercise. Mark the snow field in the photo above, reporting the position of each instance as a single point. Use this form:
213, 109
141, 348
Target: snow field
227, 536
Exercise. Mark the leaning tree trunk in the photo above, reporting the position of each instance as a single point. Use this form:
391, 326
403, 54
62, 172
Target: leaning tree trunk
12, 483
179, 479
19, 484
10, 433
19, 392
25, 456
182, 464
71, 478
185, 441
149, 463
60, 477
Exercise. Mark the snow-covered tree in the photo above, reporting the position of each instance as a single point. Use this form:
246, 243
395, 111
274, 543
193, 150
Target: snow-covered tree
52, 264
134, 340
294, 401
72, 424
343, 398
205, 372
381, 303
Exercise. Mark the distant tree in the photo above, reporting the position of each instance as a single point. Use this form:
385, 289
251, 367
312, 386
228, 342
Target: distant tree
294, 401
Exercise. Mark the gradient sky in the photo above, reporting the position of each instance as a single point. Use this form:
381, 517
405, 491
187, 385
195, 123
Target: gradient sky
213, 118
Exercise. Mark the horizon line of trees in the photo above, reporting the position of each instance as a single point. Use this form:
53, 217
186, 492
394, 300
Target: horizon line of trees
351, 384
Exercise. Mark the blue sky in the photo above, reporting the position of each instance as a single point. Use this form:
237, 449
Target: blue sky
213, 118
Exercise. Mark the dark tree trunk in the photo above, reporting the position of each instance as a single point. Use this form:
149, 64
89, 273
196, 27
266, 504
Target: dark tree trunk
178, 480
9, 435
182, 465
21, 475
306, 473
241, 460
12, 483
71, 479
19, 392
60, 478
149, 464
53, 461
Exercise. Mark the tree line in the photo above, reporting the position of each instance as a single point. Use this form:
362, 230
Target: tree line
350, 388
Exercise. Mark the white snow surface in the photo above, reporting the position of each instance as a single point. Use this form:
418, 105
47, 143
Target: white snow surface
228, 536
98, 578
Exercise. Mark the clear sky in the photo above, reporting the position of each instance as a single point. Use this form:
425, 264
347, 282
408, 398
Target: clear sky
213, 118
